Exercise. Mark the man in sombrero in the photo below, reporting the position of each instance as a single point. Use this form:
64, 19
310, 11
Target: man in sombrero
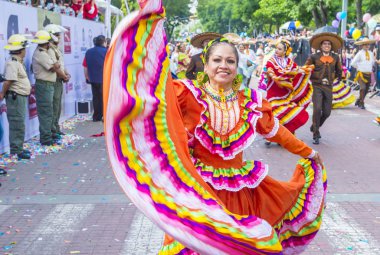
196, 64
327, 68
364, 62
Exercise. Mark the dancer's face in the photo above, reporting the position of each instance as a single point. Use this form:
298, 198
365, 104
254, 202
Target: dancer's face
366, 46
280, 50
326, 46
221, 66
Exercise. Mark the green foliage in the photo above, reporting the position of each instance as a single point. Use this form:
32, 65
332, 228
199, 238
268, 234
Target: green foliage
223, 15
177, 12
266, 15
177, 8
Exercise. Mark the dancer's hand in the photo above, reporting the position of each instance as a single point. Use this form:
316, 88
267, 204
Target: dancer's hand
317, 158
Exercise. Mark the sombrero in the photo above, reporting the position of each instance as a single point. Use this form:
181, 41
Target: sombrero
250, 41
317, 39
365, 41
233, 38
197, 40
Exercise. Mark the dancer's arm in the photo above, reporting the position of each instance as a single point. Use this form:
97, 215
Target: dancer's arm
269, 127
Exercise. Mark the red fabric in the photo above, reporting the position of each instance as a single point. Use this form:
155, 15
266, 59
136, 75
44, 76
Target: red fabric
285, 93
277, 91
87, 8
84, 64
76, 8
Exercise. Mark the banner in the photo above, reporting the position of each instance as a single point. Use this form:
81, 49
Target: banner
76, 41
16, 18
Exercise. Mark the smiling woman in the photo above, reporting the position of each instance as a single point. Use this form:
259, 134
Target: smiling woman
221, 65
176, 148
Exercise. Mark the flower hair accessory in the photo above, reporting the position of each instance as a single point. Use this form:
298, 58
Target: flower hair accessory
288, 48
208, 46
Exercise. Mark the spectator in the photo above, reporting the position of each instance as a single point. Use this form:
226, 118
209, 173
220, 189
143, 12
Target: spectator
16, 89
94, 63
77, 7
108, 42
90, 10
44, 69
50, 5
84, 64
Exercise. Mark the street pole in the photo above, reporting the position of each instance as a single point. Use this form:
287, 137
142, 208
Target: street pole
126, 5
344, 21
108, 18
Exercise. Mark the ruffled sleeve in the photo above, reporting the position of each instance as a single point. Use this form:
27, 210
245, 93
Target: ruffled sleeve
181, 92
268, 126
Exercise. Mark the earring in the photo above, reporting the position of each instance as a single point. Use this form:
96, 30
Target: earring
237, 82
202, 78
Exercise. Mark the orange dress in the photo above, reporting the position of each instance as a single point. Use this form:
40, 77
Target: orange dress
177, 154
255, 193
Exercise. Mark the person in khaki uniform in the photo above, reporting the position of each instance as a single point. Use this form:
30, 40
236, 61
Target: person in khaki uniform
62, 76
45, 71
16, 89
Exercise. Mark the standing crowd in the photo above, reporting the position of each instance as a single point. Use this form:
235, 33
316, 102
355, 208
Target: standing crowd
50, 74
86, 9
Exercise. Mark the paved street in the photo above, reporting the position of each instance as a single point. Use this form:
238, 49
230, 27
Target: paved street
70, 202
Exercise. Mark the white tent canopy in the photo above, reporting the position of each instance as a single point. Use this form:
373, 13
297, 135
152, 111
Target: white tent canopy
285, 26
102, 6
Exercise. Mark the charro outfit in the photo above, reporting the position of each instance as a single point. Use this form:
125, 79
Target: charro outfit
327, 69
195, 66
17, 101
42, 63
176, 149
364, 62
291, 94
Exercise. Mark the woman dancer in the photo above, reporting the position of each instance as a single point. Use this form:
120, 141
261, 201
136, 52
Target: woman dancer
288, 88
176, 150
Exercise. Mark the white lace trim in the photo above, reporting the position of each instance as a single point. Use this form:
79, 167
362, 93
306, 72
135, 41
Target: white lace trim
274, 130
312, 154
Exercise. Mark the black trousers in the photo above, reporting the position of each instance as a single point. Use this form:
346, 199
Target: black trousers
97, 101
322, 104
364, 87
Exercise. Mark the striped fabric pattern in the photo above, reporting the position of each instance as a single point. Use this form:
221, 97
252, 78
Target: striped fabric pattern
145, 142
342, 95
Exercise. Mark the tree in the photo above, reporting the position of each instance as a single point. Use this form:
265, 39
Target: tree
224, 16
274, 12
177, 12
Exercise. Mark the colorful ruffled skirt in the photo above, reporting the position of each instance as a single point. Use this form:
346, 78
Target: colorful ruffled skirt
147, 148
292, 208
342, 95
377, 120
291, 109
